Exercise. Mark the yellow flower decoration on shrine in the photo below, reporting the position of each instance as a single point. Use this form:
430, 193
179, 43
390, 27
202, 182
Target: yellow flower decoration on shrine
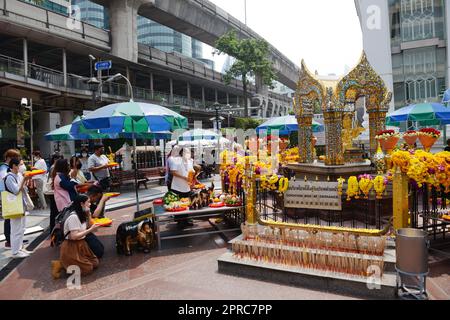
402, 160
283, 185
379, 186
341, 182
352, 188
366, 184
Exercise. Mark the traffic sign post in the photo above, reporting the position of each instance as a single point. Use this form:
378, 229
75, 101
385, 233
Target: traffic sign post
103, 65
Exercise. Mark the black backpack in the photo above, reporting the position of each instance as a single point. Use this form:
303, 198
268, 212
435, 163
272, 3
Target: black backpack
57, 236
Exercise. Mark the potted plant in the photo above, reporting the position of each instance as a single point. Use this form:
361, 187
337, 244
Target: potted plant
428, 138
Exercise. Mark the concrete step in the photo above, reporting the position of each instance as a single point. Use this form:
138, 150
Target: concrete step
308, 278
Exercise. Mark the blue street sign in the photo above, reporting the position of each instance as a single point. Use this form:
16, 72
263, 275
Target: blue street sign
103, 65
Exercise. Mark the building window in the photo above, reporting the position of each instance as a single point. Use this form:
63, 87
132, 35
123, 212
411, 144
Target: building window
418, 19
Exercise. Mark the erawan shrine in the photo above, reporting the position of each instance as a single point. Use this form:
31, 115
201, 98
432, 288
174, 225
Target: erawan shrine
336, 220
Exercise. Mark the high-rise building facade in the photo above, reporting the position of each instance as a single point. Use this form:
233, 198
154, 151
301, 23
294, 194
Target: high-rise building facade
149, 32
163, 38
93, 13
407, 43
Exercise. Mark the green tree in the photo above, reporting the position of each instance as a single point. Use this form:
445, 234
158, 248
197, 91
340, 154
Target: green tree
247, 123
252, 58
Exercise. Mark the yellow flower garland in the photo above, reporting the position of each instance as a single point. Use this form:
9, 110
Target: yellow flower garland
379, 186
365, 185
352, 188
283, 185
341, 182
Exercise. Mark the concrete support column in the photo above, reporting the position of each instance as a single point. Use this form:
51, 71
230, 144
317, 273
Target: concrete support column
171, 90
261, 88
203, 97
67, 147
237, 101
228, 98
44, 126
152, 90
188, 93
216, 95
64, 63
123, 22
25, 57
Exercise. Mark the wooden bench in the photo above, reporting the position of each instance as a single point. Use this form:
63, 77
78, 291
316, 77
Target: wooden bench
120, 178
155, 174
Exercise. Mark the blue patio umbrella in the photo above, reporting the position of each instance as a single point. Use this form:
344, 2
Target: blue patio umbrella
135, 120
426, 114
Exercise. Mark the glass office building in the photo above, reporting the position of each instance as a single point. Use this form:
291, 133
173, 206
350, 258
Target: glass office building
413, 44
163, 38
93, 13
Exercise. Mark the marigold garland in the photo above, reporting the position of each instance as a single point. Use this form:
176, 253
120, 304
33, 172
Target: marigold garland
365, 184
379, 184
352, 188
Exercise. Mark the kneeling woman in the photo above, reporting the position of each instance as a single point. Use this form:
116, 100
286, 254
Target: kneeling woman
75, 250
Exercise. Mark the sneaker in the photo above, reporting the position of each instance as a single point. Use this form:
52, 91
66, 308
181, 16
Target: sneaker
20, 255
26, 251
7, 246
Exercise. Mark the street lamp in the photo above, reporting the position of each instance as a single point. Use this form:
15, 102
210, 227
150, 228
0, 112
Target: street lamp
130, 87
24, 104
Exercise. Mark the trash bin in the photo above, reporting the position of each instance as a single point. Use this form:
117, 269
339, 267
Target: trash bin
412, 262
412, 251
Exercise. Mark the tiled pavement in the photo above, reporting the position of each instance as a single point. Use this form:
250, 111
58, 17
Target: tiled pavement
185, 269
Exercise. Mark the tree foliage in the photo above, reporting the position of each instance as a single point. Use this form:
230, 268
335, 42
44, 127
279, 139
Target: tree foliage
247, 123
252, 59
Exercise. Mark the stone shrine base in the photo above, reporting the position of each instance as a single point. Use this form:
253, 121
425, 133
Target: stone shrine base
311, 278
324, 172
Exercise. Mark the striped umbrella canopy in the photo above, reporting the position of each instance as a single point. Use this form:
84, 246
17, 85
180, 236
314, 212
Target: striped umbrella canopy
134, 118
66, 133
425, 114
286, 125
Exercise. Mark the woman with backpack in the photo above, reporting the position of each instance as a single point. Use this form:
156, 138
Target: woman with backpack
74, 249
15, 184
63, 186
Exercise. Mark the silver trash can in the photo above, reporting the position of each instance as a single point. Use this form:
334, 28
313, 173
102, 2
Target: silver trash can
412, 262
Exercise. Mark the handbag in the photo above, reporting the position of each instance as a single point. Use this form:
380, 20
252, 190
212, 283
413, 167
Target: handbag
12, 205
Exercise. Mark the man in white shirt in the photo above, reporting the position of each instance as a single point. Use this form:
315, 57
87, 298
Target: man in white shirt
40, 180
98, 166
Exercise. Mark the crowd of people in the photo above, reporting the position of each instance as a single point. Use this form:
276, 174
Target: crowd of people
58, 189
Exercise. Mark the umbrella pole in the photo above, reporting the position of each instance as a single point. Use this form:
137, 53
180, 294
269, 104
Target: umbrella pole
135, 169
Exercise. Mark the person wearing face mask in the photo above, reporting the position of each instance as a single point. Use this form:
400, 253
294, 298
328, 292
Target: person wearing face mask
15, 184
171, 163
98, 166
4, 169
180, 183
84, 163
39, 180
75, 250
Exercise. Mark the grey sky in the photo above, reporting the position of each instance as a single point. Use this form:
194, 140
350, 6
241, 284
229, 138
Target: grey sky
326, 33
